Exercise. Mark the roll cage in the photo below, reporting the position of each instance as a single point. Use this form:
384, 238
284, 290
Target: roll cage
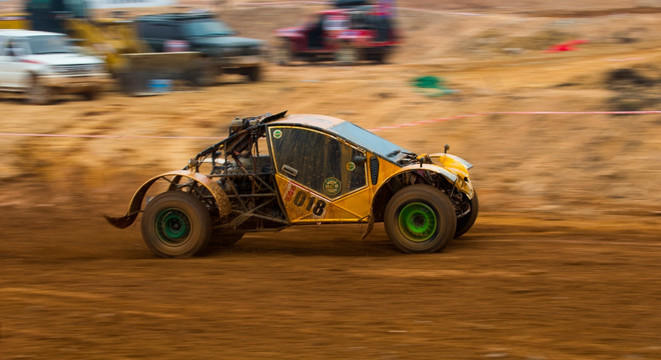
246, 176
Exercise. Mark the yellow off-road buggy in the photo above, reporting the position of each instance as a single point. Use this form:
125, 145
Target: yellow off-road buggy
316, 170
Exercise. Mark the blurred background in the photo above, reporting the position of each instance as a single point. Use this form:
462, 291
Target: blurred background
561, 263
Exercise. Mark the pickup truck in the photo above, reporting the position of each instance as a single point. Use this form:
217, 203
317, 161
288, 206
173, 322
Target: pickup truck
43, 65
347, 35
204, 33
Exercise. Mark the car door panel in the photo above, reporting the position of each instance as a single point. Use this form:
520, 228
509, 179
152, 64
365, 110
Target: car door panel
303, 205
317, 177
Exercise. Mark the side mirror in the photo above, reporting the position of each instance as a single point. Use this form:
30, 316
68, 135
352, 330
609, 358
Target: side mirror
446, 148
359, 160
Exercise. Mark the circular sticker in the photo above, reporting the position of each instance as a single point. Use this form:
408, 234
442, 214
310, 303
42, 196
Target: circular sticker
277, 134
332, 186
351, 166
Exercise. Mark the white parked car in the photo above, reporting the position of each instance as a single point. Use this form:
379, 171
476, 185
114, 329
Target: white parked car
44, 64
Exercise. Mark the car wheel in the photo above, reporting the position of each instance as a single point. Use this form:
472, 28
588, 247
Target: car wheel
204, 73
466, 223
90, 95
347, 54
175, 224
283, 55
226, 238
380, 57
254, 74
420, 219
38, 93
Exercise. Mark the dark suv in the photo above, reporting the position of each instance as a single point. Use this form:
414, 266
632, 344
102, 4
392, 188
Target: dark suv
206, 34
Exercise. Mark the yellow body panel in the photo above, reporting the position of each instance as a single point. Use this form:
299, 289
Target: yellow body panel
303, 205
306, 206
447, 162
14, 21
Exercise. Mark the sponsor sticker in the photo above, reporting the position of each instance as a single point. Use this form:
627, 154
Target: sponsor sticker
332, 186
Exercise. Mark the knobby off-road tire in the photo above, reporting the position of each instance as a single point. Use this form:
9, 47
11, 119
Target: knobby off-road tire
282, 54
175, 224
466, 223
254, 74
90, 95
225, 238
420, 219
38, 93
203, 73
347, 54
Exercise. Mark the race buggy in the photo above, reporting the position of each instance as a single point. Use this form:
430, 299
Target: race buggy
316, 170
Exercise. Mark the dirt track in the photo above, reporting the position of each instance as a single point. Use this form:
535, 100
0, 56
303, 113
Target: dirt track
561, 264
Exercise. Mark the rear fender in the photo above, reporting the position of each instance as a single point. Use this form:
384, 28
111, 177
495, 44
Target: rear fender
135, 205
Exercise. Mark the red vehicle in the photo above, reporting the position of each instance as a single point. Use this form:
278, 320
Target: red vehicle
344, 35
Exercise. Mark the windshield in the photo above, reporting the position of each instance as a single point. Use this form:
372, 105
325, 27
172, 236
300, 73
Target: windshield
49, 44
206, 27
370, 141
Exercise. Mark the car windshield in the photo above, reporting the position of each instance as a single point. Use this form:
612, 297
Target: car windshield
49, 44
370, 141
206, 27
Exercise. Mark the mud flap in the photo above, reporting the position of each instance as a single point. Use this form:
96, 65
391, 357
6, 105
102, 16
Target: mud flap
368, 229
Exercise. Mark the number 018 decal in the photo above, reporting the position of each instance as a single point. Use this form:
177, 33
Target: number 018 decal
306, 201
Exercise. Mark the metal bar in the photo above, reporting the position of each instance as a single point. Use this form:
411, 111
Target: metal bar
252, 195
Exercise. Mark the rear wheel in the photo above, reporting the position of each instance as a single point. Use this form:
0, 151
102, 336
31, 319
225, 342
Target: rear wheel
203, 73
420, 219
175, 224
254, 74
90, 94
347, 54
38, 93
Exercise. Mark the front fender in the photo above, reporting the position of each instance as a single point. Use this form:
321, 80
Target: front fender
454, 176
219, 196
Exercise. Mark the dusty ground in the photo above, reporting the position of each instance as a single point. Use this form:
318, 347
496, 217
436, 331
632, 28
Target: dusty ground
561, 264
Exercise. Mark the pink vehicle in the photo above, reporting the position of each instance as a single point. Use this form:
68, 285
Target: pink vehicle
343, 35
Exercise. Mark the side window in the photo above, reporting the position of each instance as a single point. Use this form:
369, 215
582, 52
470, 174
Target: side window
170, 32
16, 47
159, 31
318, 161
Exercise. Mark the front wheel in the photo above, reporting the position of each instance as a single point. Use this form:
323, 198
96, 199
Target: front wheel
420, 219
38, 93
175, 224
283, 53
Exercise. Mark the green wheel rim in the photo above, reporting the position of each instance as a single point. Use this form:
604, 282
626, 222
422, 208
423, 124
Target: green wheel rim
417, 221
172, 226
